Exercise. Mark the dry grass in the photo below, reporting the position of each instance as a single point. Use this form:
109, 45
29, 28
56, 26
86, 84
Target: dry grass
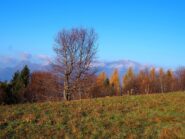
145, 116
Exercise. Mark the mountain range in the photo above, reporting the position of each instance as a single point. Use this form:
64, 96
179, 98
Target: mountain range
6, 73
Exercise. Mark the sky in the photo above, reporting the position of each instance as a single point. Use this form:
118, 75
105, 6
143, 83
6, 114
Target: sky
146, 31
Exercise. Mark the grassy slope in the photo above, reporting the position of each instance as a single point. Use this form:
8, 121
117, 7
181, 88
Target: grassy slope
147, 116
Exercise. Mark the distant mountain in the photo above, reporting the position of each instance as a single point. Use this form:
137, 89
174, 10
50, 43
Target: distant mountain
6, 73
122, 65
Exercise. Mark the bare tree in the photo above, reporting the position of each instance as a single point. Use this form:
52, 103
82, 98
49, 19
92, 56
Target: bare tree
75, 51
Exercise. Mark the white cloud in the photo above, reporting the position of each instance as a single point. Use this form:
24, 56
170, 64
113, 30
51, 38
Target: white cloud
98, 64
44, 59
7, 61
12, 61
25, 56
117, 66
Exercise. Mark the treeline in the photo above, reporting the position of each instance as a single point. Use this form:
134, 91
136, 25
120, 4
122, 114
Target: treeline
145, 82
44, 86
27, 87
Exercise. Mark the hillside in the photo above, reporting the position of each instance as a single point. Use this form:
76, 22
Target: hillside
145, 116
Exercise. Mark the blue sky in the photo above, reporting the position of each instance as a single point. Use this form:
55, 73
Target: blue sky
146, 31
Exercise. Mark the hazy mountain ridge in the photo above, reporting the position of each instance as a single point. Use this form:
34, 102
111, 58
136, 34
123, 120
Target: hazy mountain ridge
6, 73
121, 65
108, 67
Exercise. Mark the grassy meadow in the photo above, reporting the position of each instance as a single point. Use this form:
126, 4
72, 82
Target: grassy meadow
144, 116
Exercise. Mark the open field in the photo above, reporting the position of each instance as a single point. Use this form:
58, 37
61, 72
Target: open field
144, 116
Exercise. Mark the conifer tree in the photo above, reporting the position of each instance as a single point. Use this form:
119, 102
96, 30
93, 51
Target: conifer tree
169, 78
103, 85
101, 79
18, 85
128, 79
144, 81
25, 75
115, 82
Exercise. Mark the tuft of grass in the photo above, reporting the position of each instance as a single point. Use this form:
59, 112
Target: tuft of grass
133, 117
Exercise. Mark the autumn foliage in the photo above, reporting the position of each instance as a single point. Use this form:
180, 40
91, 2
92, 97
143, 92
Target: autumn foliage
146, 81
103, 86
150, 81
43, 86
115, 82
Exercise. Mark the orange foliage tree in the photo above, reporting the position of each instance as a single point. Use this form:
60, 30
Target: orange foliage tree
115, 82
43, 86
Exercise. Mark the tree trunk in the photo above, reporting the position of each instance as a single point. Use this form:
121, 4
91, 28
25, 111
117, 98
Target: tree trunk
66, 92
